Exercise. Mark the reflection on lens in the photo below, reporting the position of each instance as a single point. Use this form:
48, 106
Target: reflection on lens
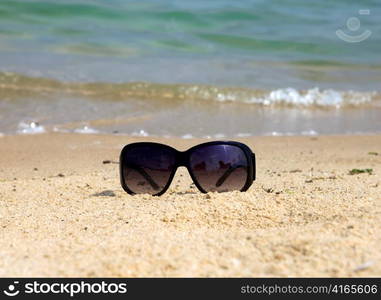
147, 168
219, 167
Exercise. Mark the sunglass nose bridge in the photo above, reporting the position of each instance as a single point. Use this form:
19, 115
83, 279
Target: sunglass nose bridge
182, 159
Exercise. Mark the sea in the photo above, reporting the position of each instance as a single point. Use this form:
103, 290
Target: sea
202, 68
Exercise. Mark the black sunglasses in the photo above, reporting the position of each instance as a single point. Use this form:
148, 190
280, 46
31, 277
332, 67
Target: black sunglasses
214, 166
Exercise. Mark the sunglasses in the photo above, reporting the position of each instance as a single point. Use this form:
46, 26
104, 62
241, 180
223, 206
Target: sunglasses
149, 168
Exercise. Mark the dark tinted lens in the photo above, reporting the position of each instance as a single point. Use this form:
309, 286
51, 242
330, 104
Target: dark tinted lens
146, 169
219, 167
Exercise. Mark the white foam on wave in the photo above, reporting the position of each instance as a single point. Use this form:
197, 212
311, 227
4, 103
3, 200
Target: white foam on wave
310, 132
141, 132
287, 96
86, 130
60, 130
313, 96
187, 136
30, 128
243, 134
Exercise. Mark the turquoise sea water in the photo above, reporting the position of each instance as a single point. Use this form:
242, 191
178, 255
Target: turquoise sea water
196, 57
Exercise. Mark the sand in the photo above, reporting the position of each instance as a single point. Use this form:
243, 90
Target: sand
63, 212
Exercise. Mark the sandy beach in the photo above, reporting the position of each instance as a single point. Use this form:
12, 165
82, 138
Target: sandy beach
63, 212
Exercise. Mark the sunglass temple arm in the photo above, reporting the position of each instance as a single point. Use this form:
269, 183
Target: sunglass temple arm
229, 171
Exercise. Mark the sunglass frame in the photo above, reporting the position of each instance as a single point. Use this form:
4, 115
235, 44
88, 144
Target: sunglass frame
182, 160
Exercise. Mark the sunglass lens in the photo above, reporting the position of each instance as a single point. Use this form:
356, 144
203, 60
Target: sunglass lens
147, 168
219, 168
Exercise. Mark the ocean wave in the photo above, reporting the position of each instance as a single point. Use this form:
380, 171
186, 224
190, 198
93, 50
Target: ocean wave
30, 128
86, 130
15, 85
318, 97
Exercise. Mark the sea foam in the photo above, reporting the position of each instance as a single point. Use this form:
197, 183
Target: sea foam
30, 128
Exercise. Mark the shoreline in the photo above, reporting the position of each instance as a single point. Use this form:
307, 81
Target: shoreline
63, 212
151, 108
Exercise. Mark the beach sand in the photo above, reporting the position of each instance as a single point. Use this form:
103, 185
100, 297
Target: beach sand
63, 212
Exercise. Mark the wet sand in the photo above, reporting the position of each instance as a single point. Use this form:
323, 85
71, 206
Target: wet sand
63, 212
